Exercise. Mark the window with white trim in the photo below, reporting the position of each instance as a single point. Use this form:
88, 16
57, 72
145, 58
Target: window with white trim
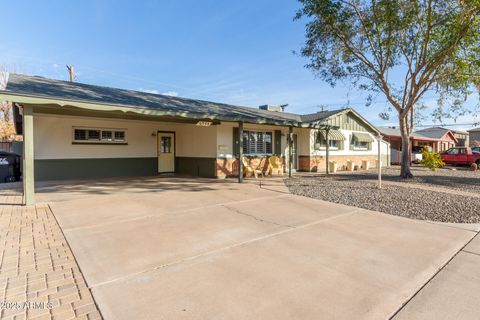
97, 135
361, 145
257, 142
321, 144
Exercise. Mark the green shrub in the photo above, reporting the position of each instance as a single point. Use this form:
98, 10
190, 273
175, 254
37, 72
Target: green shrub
431, 160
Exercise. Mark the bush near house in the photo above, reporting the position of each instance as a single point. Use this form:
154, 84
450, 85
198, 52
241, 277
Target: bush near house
431, 159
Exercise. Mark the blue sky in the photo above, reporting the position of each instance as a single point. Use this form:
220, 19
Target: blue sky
237, 52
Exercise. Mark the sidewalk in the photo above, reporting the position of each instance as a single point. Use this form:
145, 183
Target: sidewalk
453, 293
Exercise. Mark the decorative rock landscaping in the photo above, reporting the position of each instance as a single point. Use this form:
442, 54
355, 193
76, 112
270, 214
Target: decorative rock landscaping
359, 189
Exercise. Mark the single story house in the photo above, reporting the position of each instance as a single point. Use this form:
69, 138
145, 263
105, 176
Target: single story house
474, 137
446, 138
436, 138
76, 131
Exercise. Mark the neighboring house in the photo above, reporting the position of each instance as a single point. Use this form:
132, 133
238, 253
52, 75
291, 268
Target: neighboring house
462, 138
446, 138
474, 137
437, 140
83, 131
353, 138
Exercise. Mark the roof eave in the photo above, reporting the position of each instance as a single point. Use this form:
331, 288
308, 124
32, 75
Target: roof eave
36, 100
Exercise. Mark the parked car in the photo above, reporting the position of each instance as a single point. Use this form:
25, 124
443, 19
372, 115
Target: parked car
476, 149
460, 155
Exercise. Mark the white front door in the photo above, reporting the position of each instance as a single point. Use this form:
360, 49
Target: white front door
166, 152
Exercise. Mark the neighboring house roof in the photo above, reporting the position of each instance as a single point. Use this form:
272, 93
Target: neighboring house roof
438, 133
417, 135
36, 91
474, 130
389, 132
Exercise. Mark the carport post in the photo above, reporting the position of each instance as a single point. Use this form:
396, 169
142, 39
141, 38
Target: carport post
28, 164
379, 139
240, 152
327, 149
290, 150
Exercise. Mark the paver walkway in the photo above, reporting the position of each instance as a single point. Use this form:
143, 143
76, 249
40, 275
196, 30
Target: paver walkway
39, 277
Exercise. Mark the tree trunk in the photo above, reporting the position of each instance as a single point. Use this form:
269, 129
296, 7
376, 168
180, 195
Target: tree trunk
405, 168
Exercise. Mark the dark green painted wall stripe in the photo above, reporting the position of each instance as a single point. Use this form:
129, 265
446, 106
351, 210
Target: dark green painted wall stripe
63, 169
199, 167
67, 169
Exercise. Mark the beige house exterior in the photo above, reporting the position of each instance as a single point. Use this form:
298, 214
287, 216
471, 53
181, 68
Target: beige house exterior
78, 131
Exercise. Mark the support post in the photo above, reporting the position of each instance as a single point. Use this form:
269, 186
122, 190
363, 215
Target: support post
240, 152
290, 150
28, 157
379, 139
327, 149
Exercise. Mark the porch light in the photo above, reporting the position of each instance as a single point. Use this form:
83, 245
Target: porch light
204, 123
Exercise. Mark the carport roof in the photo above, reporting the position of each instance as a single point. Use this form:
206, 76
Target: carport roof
34, 90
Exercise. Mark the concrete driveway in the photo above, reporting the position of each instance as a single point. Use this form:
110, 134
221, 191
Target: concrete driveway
179, 248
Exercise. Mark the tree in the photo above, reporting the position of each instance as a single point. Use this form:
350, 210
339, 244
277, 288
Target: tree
7, 128
400, 49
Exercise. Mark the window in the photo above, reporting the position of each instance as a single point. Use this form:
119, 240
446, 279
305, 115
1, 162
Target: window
321, 143
166, 145
361, 145
119, 135
453, 151
91, 135
255, 142
107, 135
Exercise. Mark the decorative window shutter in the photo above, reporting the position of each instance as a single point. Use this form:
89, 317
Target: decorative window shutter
236, 143
278, 143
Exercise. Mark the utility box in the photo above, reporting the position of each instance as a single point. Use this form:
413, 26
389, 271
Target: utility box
9, 167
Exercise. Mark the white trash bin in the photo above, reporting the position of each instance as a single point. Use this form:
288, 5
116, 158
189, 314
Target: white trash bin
332, 166
365, 165
350, 165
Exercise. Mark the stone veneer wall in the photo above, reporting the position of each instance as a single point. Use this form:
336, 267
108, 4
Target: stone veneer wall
229, 167
317, 163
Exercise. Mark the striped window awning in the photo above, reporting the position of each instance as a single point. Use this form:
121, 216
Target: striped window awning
362, 137
332, 135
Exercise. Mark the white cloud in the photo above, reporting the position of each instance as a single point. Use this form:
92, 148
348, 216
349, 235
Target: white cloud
149, 90
171, 93
55, 66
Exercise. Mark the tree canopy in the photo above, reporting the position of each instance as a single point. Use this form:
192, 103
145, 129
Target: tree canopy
400, 49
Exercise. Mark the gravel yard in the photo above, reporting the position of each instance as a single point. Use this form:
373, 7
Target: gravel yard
359, 190
457, 178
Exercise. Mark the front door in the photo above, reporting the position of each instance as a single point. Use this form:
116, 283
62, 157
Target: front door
166, 152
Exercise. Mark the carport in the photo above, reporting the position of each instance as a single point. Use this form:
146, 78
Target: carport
35, 98
77, 128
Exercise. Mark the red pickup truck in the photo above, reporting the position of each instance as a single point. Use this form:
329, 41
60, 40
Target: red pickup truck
460, 155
